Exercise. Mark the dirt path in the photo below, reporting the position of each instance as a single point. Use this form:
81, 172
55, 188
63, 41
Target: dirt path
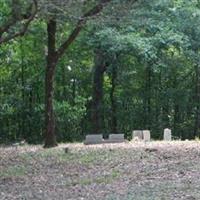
130, 171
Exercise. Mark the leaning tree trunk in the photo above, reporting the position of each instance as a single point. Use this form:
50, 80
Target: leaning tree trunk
97, 96
50, 137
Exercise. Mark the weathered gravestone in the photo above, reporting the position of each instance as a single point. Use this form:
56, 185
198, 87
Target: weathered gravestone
137, 134
93, 139
116, 138
167, 134
146, 135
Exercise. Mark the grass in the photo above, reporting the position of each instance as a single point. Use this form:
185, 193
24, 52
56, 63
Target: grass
121, 171
46, 154
16, 171
104, 179
85, 157
88, 158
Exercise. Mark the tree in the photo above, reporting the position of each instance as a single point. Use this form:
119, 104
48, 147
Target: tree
146, 61
17, 17
97, 91
54, 55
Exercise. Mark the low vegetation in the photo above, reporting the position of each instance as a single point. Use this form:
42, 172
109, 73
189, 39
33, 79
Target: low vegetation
137, 170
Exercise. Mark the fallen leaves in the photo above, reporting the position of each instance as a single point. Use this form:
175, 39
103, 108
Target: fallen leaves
137, 170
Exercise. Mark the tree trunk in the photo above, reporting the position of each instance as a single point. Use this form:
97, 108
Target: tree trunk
197, 102
147, 98
113, 102
50, 137
22, 132
97, 96
176, 120
52, 59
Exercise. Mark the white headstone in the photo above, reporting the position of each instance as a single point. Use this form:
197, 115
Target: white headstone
93, 139
137, 134
167, 134
146, 135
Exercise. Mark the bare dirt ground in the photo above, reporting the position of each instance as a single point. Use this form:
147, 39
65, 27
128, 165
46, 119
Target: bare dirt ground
129, 171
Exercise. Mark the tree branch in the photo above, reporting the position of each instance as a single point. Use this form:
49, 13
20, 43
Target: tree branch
94, 11
28, 18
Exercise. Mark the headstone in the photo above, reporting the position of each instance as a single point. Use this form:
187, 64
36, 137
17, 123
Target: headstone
93, 139
116, 138
167, 134
146, 135
137, 134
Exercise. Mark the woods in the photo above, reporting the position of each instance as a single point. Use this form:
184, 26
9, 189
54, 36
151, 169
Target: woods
100, 99
73, 68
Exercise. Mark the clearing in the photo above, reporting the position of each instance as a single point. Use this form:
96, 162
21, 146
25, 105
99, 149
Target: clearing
129, 171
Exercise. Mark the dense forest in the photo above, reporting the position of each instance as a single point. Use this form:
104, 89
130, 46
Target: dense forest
71, 68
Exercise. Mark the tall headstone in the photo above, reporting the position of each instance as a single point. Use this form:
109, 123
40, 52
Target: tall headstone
137, 134
146, 135
167, 134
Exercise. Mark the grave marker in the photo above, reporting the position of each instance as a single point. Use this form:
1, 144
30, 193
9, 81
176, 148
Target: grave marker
146, 135
93, 139
167, 134
137, 134
116, 138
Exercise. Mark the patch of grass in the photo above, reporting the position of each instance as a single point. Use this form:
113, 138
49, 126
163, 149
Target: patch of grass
85, 181
85, 158
93, 157
88, 158
41, 154
88, 181
27, 157
65, 158
16, 171
115, 173
49, 155
106, 179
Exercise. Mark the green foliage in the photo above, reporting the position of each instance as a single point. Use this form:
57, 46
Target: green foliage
154, 46
69, 119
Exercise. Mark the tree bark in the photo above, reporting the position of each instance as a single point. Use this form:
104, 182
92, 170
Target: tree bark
113, 102
50, 137
22, 132
176, 120
147, 98
197, 102
97, 96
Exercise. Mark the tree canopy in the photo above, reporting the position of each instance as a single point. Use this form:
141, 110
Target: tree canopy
71, 68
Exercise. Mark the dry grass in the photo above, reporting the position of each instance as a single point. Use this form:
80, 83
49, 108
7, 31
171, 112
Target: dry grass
135, 171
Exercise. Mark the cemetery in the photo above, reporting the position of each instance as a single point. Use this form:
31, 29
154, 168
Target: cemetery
141, 135
98, 168
99, 99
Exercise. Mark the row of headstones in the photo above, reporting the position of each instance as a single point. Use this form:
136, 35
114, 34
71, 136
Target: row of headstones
98, 139
144, 135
